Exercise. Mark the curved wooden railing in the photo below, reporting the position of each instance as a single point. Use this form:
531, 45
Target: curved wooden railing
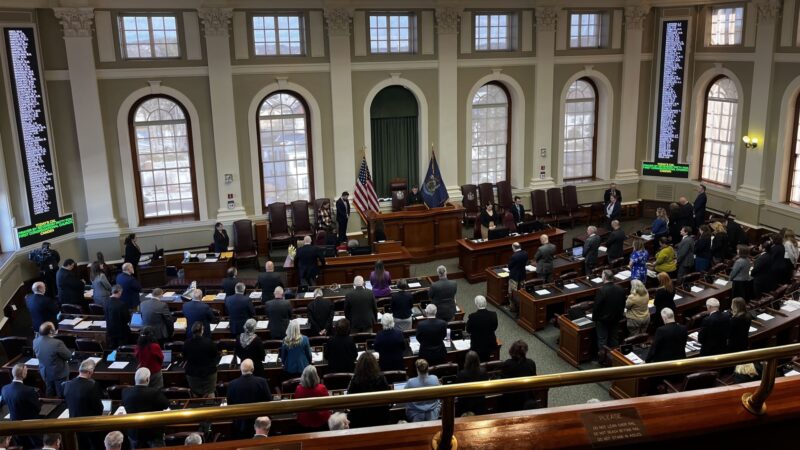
754, 402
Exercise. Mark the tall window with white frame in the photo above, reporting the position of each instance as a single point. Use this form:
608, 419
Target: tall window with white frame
493, 31
726, 26
278, 35
585, 30
163, 160
148, 36
580, 130
491, 114
794, 162
392, 33
284, 149
719, 135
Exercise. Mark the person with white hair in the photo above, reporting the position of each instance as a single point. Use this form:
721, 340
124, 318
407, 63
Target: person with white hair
114, 440
320, 315
307, 259
193, 439
22, 402
131, 288
268, 281
669, 342
390, 345
239, 308
431, 333
262, 426
637, 309
714, 331
360, 307
442, 293
41, 307
279, 313
311, 386
402, 303
295, 351
481, 326
198, 311
338, 421
248, 388
591, 247
83, 398
142, 398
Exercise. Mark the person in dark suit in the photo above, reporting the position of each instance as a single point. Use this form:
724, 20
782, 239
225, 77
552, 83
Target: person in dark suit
685, 251
762, 272
83, 398
156, 315
443, 294
612, 190
221, 240
22, 402
699, 211
686, 213
70, 287
664, 297
201, 356
279, 313
131, 288
239, 309
590, 249
229, 282
340, 350
481, 326
518, 365
53, 358
670, 340
268, 281
41, 308
472, 372
414, 197
360, 307
390, 345
132, 251
739, 334
307, 260
518, 210
544, 258
343, 215
612, 210
615, 241
367, 377
713, 336
736, 236
320, 315
197, 311
609, 307
516, 268
118, 318
430, 335
142, 398
247, 389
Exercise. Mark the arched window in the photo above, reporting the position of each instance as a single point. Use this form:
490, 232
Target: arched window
719, 134
794, 162
163, 156
285, 149
491, 115
580, 130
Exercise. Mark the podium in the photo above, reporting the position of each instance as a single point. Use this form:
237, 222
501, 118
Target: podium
427, 234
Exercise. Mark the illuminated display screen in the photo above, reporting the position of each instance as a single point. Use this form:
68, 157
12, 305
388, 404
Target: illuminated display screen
43, 231
670, 94
658, 169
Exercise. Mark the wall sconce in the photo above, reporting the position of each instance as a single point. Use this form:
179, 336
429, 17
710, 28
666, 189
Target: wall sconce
750, 142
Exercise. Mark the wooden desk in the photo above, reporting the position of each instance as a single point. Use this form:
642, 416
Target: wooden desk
427, 234
197, 270
475, 257
152, 274
342, 269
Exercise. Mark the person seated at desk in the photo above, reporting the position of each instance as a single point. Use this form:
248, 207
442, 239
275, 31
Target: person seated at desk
310, 386
360, 307
380, 234
132, 251
307, 260
714, 332
669, 342
279, 313
380, 279
144, 398
41, 307
197, 311
261, 427
740, 274
230, 280
517, 210
268, 281
340, 350
352, 245
295, 351
390, 345
248, 388
518, 365
239, 309
660, 226
615, 241
70, 287
53, 356
664, 297
221, 240
101, 288
488, 220
83, 398
442, 293
367, 378
201, 356
320, 315
250, 347
666, 261
131, 288
431, 333
22, 401
401, 304
472, 372
148, 354
481, 326
427, 409
739, 334
414, 197
156, 315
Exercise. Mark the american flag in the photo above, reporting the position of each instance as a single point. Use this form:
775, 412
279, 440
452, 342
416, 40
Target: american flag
365, 197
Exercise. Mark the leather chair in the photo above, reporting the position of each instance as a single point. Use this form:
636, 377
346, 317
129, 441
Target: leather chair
486, 191
177, 439
636, 339
13, 345
88, 345
470, 203
222, 389
619, 262
493, 368
337, 381
228, 345
457, 325
115, 391
361, 338
444, 370
126, 349
282, 426
244, 246
301, 223
395, 376
69, 308
577, 213
97, 309
289, 386
174, 346
278, 224
539, 207
505, 199
318, 341
273, 344
508, 221
68, 340
557, 209
696, 320
694, 381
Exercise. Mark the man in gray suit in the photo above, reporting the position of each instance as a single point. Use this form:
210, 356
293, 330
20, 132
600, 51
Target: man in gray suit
53, 358
443, 294
685, 252
590, 248
279, 313
156, 315
360, 307
544, 259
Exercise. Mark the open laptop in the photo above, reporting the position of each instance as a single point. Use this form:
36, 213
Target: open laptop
399, 386
577, 253
136, 320
167, 360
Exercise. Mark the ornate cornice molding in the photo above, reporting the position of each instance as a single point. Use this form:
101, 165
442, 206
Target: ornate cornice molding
216, 21
447, 20
635, 16
768, 10
546, 18
338, 21
75, 22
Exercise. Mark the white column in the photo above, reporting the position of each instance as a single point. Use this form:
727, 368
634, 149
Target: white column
216, 23
77, 27
753, 185
629, 109
546, 20
338, 20
447, 150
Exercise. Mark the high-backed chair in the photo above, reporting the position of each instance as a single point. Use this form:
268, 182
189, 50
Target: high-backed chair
443, 370
68, 340
504, 197
13, 345
395, 376
694, 381
557, 209
486, 191
244, 246
336, 381
301, 223
88, 345
69, 308
97, 309
278, 225
289, 386
539, 207
571, 203
470, 203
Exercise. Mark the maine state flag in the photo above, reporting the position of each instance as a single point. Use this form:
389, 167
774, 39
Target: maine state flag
434, 193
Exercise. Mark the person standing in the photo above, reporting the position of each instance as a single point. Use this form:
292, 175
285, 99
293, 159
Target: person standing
518, 210
248, 388
149, 355
101, 288
739, 334
132, 251
360, 307
762, 272
307, 260
295, 353
590, 249
431, 333
615, 241
481, 326
442, 293
544, 259
239, 309
156, 315
381, 280
367, 377
22, 401
83, 398
612, 210
612, 191
230, 280
390, 345
638, 262
702, 250
414, 197
699, 211
402, 304
131, 288
144, 398
201, 356
41, 307
669, 342
53, 358
516, 268
714, 332
250, 347
221, 240
197, 311
311, 386
118, 318
320, 315
70, 287
685, 252
740, 274
664, 297
488, 220
279, 313
343, 215
268, 281
427, 409
665, 258
340, 350
609, 307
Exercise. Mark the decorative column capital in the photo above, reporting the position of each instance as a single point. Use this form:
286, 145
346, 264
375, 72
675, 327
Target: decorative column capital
447, 20
635, 16
338, 20
768, 10
215, 20
75, 22
546, 18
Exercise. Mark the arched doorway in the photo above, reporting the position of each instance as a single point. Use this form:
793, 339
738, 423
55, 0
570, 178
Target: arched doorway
394, 125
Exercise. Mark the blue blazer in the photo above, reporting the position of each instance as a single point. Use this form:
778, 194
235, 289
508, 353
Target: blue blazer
42, 309
22, 401
131, 288
239, 308
197, 311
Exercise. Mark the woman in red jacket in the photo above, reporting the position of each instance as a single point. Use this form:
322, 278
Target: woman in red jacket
310, 386
149, 354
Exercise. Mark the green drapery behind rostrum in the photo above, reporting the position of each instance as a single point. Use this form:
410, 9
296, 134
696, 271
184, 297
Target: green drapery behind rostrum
395, 138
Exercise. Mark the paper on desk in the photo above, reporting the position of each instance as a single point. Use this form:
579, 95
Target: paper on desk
721, 282
255, 295
752, 329
316, 357
221, 296
368, 285
32, 362
211, 260
262, 324
223, 325
791, 373
70, 322
120, 411
302, 321
308, 295
89, 293
571, 286
696, 289
603, 248
118, 365
624, 275
64, 415
530, 268
271, 358
789, 307
226, 359
597, 280
414, 347
83, 325
677, 297
169, 294
503, 274
375, 354
542, 292
504, 269
96, 359
646, 237
694, 335
213, 326
180, 323
589, 315
99, 323
462, 344
634, 358
765, 316
337, 318
415, 285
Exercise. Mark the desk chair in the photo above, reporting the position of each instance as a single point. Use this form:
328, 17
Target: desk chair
539, 207
444, 370
174, 346
570, 193
470, 203
318, 341
244, 246
273, 344
69, 308
227, 344
504, 197
289, 386
693, 381
97, 309
337, 381
278, 224
115, 391
69, 341
177, 393
89, 345
13, 345
395, 376
557, 209
301, 223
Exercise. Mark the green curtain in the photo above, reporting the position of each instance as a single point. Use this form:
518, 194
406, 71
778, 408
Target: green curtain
395, 152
